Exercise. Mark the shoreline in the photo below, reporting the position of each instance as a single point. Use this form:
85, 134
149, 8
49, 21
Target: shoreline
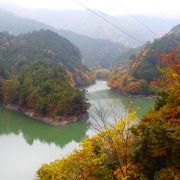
148, 97
60, 121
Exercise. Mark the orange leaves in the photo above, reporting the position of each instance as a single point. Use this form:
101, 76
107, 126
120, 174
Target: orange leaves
171, 59
170, 64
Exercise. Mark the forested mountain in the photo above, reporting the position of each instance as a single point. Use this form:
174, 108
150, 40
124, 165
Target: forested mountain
86, 23
96, 28
48, 46
146, 61
38, 73
126, 55
133, 149
142, 70
94, 51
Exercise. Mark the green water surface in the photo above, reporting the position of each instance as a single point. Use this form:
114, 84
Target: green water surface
26, 143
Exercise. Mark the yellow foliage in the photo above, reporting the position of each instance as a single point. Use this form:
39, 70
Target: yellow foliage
98, 156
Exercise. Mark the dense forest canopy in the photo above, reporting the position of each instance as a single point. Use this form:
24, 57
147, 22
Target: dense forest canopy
43, 44
44, 89
47, 46
95, 52
143, 69
38, 73
145, 150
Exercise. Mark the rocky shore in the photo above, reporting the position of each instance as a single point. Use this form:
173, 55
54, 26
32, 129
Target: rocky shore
59, 121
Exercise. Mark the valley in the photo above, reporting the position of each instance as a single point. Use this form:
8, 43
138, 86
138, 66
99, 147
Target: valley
34, 142
89, 92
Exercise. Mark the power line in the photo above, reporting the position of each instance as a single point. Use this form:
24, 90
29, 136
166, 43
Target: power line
109, 22
163, 15
136, 19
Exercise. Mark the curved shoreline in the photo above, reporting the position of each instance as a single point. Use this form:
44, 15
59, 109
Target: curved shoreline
60, 121
150, 97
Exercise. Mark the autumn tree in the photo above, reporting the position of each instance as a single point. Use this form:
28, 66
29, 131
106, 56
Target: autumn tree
156, 140
104, 156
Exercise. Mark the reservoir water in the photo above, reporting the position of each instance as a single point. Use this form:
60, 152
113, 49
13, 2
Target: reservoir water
26, 143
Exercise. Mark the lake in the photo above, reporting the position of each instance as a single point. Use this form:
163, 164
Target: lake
25, 143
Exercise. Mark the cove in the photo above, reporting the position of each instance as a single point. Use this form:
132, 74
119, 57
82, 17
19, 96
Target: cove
26, 143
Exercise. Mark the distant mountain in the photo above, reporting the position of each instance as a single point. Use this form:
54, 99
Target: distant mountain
15, 25
127, 55
94, 51
44, 45
86, 23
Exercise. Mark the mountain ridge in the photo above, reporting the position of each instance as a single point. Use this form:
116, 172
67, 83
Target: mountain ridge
48, 46
94, 51
96, 28
142, 72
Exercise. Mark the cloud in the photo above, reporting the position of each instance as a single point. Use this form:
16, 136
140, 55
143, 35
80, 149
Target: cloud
113, 7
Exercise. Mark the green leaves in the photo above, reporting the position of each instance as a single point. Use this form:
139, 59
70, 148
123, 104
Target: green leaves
46, 90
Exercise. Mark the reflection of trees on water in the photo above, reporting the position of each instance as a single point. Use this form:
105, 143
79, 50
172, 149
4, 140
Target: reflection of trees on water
109, 96
14, 122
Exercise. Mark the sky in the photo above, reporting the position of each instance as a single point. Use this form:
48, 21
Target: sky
164, 8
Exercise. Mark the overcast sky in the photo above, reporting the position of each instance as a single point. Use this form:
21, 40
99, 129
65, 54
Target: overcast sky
166, 8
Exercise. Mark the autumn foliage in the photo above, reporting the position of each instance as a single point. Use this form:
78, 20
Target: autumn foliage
156, 142
40, 72
140, 76
104, 156
136, 151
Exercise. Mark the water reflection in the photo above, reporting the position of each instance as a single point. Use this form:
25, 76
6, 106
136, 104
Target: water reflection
14, 122
27, 143
108, 98
20, 161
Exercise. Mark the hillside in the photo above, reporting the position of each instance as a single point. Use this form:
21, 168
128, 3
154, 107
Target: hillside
133, 149
94, 51
128, 54
86, 23
38, 74
142, 71
145, 63
48, 46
